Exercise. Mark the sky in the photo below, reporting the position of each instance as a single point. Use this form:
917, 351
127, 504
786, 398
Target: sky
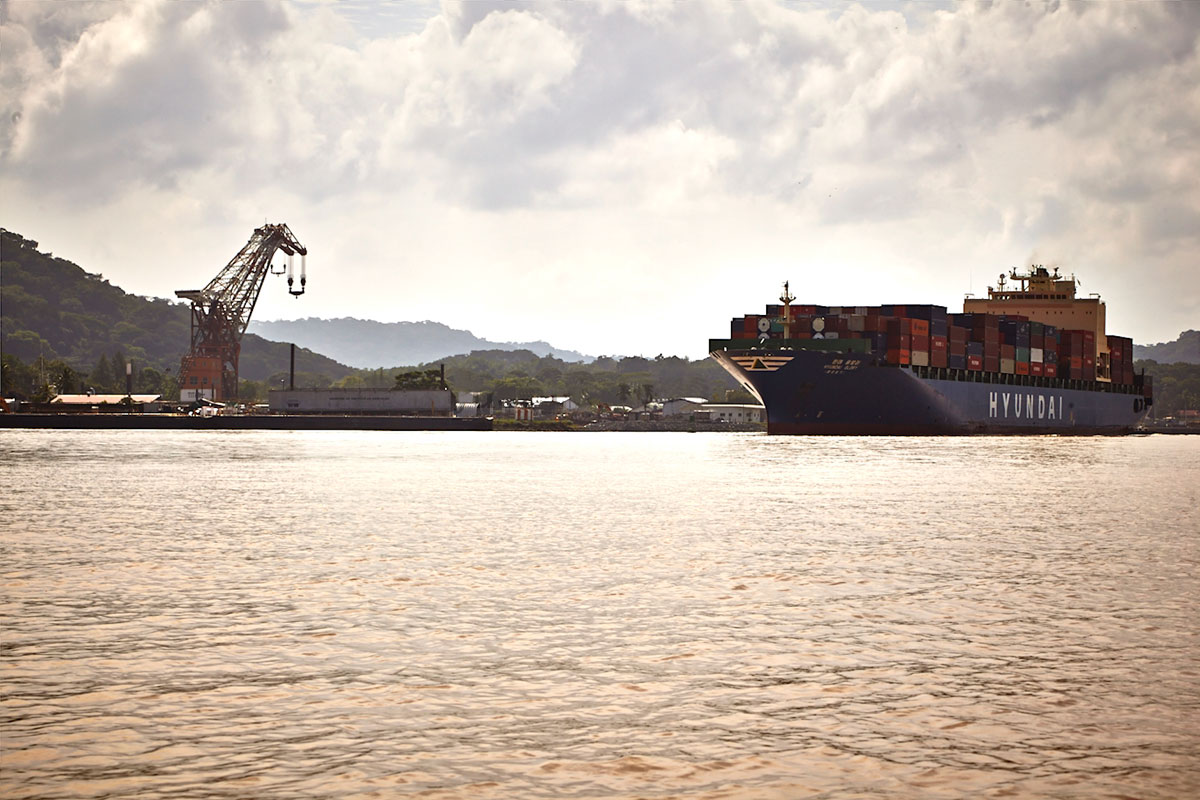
617, 178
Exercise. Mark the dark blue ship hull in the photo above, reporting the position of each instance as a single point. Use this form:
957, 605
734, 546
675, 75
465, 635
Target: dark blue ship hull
855, 393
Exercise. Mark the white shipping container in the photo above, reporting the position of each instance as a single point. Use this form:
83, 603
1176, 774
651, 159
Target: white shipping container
920, 358
1035, 355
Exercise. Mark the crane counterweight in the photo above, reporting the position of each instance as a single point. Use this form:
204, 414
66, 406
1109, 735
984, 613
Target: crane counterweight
221, 311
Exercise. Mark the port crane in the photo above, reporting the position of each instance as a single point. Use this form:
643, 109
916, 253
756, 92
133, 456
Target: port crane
221, 311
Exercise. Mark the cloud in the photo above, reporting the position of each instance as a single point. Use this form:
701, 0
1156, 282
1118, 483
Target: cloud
698, 145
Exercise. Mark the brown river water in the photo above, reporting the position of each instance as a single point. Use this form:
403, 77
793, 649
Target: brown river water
608, 615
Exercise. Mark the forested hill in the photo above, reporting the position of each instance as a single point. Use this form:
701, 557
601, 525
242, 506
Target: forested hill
53, 309
1184, 350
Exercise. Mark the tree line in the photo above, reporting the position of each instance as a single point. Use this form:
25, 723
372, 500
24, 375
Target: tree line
522, 374
1176, 387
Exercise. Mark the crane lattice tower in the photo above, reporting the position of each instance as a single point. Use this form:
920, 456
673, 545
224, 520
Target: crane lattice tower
221, 311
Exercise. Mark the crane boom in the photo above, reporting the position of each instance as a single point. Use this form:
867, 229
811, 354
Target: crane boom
221, 311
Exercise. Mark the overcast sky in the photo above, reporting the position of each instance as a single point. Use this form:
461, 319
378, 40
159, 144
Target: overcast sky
613, 177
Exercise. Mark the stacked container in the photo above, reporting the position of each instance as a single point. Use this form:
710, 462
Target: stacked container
1120, 359
926, 335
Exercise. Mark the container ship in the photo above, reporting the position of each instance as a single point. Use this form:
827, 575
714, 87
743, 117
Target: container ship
1030, 358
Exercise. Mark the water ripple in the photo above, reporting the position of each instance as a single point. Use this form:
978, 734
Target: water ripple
608, 616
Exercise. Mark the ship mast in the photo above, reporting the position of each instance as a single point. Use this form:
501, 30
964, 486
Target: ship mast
786, 298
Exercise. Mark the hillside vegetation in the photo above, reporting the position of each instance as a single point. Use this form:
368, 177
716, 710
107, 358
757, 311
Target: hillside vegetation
54, 312
1184, 350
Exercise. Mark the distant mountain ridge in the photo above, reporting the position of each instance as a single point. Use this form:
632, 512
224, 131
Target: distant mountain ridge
1185, 349
367, 344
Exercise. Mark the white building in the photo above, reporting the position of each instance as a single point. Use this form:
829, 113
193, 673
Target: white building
682, 406
735, 412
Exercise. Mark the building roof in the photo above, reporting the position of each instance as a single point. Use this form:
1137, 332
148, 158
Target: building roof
98, 399
754, 406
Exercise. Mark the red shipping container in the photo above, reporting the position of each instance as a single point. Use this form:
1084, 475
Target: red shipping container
920, 343
1038, 341
937, 358
958, 348
899, 356
1022, 367
1076, 363
975, 362
899, 326
937, 344
1007, 351
1035, 368
920, 327
1050, 370
991, 363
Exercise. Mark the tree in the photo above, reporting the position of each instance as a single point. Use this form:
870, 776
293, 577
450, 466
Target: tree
118, 368
64, 379
148, 380
420, 380
101, 377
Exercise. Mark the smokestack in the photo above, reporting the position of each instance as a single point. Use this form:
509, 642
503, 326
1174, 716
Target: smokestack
292, 369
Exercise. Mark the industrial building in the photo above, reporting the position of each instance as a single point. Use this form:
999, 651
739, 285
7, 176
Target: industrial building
430, 403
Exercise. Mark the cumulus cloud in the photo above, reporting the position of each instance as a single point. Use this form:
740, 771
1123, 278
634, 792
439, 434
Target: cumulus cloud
752, 138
